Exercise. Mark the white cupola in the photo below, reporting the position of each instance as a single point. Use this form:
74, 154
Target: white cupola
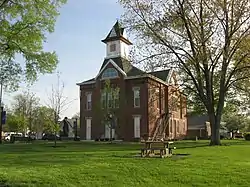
117, 44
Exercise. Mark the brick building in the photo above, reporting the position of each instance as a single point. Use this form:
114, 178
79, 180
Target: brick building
147, 104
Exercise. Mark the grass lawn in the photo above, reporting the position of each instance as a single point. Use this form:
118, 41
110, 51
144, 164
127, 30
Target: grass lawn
100, 165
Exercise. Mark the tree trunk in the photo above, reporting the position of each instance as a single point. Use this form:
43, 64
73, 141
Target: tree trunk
215, 129
55, 140
110, 136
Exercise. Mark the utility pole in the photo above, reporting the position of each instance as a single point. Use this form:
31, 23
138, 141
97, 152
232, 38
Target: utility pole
1, 125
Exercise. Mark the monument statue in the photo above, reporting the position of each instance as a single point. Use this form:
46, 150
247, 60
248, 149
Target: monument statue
67, 129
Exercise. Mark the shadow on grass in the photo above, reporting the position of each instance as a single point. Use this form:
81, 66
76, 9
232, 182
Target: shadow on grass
134, 155
202, 143
3, 183
6, 183
85, 147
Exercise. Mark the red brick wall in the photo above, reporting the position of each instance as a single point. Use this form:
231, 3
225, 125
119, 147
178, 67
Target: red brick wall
149, 109
125, 112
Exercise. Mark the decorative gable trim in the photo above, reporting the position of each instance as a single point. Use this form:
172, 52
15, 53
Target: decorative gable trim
115, 66
112, 33
170, 74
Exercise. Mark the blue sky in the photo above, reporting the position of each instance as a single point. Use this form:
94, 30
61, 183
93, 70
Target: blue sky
77, 41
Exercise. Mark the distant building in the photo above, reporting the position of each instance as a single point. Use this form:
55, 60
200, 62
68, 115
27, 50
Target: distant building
198, 126
144, 99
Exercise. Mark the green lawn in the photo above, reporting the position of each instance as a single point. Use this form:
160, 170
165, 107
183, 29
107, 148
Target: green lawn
100, 165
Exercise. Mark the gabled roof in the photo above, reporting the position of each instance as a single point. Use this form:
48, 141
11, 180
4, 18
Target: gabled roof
116, 33
125, 67
111, 61
162, 74
197, 121
90, 81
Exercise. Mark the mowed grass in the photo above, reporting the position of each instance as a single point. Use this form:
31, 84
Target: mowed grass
102, 164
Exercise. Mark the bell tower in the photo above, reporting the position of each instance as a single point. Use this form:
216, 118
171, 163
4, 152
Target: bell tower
117, 44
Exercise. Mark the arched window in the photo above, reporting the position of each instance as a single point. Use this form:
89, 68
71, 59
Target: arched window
109, 73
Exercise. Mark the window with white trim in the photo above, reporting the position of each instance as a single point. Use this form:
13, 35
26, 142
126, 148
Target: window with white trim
89, 101
103, 99
178, 127
136, 97
171, 126
116, 99
110, 73
110, 99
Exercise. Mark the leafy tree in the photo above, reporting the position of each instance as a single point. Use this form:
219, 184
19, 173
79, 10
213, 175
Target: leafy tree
205, 41
236, 122
45, 121
233, 118
24, 106
43, 117
108, 104
13, 123
23, 28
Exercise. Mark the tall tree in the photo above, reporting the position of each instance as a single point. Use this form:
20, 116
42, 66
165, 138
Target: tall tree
203, 40
23, 28
43, 120
24, 106
58, 103
14, 123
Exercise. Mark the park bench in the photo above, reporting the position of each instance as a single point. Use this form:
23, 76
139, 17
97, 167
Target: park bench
163, 147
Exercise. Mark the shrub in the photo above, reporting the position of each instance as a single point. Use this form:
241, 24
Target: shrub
247, 136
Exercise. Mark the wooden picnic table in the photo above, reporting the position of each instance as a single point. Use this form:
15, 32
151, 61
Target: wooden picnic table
165, 149
166, 144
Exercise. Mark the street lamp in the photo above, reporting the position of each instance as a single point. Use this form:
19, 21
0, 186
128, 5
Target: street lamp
110, 116
75, 124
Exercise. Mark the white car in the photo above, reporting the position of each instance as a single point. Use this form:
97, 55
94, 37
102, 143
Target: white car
7, 137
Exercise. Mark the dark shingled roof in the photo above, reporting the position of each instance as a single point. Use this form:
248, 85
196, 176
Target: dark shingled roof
196, 121
90, 80
119, 34
162, 74
125, 65
131, 70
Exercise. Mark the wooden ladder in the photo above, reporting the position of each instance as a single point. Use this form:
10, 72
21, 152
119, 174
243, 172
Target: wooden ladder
161, 125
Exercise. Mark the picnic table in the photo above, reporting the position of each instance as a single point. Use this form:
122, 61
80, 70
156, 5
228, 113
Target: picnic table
162, 146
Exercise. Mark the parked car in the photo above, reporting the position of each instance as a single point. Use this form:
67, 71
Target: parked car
8, 136
50, 137
32, 136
